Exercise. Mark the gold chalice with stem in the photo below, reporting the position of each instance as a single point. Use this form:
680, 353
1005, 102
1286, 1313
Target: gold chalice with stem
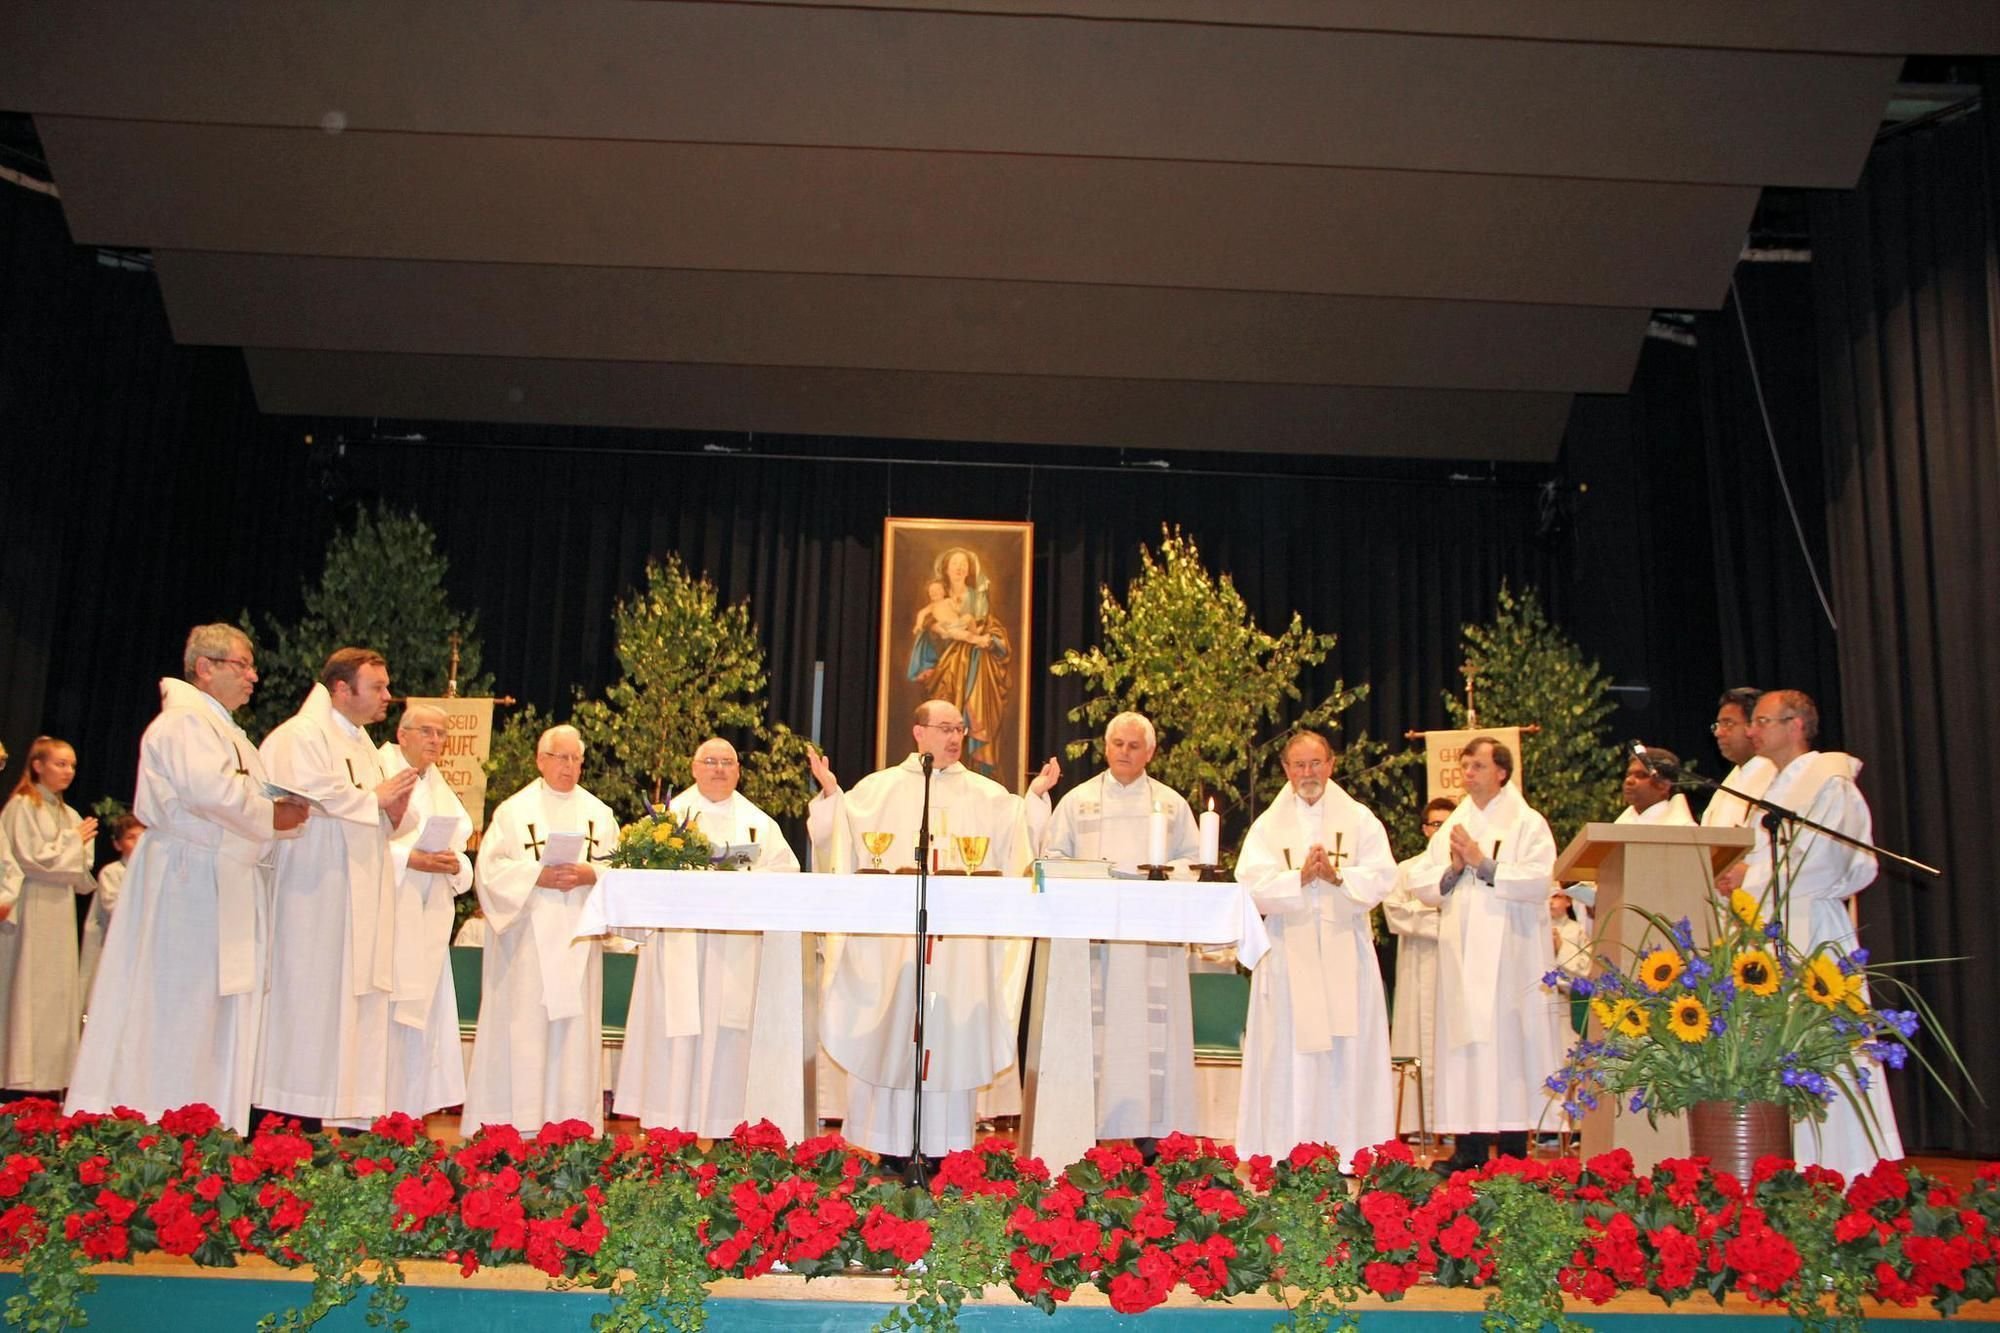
972, 851
876, 843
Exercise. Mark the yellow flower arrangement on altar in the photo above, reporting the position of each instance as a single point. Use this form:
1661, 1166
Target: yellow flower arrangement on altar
662, 840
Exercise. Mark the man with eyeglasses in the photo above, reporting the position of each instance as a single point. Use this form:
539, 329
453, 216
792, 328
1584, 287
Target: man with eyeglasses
1316, 1042
426, 1067
687, 1042
1751, 773
972, 1023
180, 989
1414, 923
1815, 878
536, 1057
1489, 870
325, 1051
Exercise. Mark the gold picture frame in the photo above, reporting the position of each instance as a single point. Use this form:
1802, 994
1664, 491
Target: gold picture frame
957, 623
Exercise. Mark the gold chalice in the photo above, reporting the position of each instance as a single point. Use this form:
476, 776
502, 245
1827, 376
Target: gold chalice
972, 851
877, 843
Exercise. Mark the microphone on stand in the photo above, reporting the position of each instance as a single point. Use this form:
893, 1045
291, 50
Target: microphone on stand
1637, 750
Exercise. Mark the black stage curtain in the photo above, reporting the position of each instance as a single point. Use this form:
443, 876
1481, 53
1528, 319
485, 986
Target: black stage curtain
146, 493
1906, 282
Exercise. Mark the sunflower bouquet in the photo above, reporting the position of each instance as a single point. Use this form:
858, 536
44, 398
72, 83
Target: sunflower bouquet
661, 840
1744, 1017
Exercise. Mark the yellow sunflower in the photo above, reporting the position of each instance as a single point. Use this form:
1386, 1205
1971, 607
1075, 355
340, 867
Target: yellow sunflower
1756, 972
1661, 969
1857, 993
1823, 982
1689, 1020
1606, 1012
1745, 907
1634, 1022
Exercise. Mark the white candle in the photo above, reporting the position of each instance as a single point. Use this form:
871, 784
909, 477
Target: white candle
1156, 837
1211, 835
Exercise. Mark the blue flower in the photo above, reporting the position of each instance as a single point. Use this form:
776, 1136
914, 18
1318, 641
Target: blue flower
1903, 1020
1683, 934
1698, 969
1859, 958
1842, 1026
1862, 1079
1581, 987
1556, 1084
1725, 992
1773, 929
1553, 978
1717, 1025
1791, 1077
1638, 1102
1572, 1110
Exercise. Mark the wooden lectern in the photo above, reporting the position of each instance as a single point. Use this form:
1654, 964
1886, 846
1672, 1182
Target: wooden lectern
1669, 870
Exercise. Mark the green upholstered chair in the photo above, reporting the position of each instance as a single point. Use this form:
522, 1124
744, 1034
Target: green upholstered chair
618, 972
1221, 1002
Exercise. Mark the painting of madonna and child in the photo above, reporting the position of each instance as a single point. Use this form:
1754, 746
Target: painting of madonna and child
955, 619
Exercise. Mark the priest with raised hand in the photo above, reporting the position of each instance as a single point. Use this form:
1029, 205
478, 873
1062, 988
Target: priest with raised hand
325, 1049
869, 1018
536, 1057
687, 1043
426, 1068
1316, 1044
1810, 886
1489, 870
1142, 1017
174, 1014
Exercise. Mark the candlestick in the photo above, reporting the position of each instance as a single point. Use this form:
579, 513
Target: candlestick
1156, 837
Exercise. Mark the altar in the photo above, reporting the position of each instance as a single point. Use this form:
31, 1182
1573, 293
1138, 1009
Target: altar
1062, 916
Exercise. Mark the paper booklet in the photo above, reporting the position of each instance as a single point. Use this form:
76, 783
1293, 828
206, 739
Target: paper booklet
565, 849
436, 836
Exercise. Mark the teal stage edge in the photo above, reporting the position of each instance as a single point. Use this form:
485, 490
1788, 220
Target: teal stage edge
212, 1305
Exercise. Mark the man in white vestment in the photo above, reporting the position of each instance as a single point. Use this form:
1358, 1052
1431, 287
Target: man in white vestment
1316, 1044
1816, 877
174, 1014
1413, 1016
687, 1041
1488, 869
536, 1056
426, 1064
325, 1049
1649, 792
972, 1019
1751, 773
1142, 1018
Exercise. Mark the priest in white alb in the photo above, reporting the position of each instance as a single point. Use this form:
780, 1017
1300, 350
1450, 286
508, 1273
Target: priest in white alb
1142, 1021
1649, 792
687, 1041
1810, 887
868, 1022
325, 1049
1751, 773
426, 1064
1489, 869
536, 1057
1316, 1044
174, 1014
1413, 1015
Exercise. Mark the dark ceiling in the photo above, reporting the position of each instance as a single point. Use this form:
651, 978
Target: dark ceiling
1389, 227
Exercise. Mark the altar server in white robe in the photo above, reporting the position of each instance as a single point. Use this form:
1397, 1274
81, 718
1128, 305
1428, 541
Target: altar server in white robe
1489, 870
1413, 1016
1811, 892
51, 846
125, 833
536, 1056
426, 1066
1142, 1019
325, 1050
1316, 1045
180, 989
869, 1015
687, 1042
1751, 773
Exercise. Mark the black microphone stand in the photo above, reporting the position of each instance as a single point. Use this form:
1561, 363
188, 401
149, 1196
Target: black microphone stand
1776, 816
919, 1173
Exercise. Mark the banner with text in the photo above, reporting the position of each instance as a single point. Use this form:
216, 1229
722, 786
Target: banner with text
1441, 759
468, 740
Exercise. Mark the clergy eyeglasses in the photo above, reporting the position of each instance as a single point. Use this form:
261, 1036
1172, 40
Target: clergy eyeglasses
713, 762
240, 663
1722, 724
948, 728
1772, 721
